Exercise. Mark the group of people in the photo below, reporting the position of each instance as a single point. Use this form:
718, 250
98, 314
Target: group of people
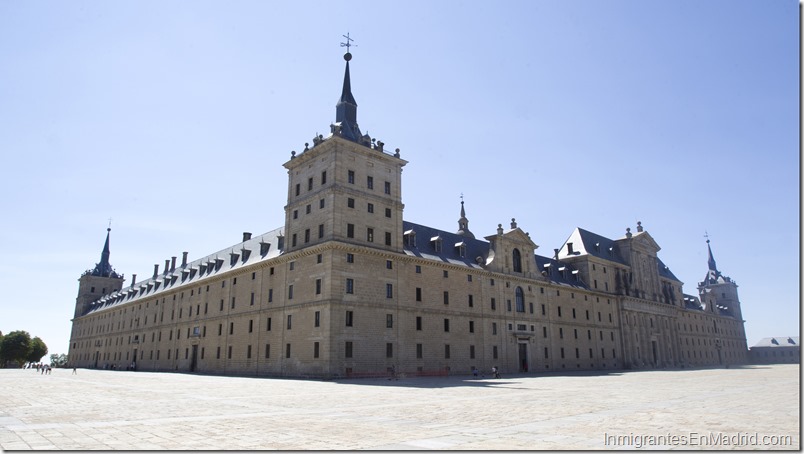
41, 368
495, 372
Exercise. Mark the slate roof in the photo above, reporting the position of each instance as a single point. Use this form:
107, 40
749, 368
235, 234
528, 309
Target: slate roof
781, 341
425, 246
196, 272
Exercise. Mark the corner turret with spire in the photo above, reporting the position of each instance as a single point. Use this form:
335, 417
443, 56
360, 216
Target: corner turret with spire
718, 293
97, 282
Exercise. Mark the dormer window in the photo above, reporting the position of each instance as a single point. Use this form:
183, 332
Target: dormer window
233, 258
410, 238
436, 242
264, 248
461, 249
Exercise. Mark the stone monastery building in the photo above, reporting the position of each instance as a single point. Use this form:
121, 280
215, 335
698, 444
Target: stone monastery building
348, 288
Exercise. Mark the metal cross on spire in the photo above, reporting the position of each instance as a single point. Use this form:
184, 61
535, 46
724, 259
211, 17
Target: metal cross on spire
348, 42
706, 235
110, 224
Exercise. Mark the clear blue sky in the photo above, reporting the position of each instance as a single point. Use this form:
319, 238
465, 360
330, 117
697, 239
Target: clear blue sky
174, 119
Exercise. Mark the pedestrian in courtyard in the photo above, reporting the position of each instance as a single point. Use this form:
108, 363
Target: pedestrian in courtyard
74, 372
474, 371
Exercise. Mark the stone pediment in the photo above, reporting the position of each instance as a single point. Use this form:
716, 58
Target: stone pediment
644, 241
514, 236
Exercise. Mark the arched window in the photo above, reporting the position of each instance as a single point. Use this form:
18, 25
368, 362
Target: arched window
517, 261
520, 300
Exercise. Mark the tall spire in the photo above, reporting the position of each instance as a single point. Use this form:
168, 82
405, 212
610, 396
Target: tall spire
346, 109
463, 224
712, 264
104, 268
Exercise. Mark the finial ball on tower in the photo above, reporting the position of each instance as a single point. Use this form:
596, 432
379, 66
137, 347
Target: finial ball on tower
347, 56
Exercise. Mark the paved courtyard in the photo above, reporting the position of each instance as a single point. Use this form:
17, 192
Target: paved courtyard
746, 408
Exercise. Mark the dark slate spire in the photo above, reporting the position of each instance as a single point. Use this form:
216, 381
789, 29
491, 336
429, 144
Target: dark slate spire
104, 268
463, 224
346, 110
712, 264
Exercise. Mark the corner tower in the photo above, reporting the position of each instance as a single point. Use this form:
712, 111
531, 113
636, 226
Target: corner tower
97, 282
345, 187
718, 293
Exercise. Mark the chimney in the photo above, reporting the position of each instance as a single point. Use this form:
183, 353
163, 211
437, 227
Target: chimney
183, 259
167, 266
246, 236
133, 279
173, 263
156, 270
555, 251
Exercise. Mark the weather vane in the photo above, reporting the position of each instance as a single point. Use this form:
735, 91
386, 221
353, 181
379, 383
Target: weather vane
348, 42
706, 235
110, 224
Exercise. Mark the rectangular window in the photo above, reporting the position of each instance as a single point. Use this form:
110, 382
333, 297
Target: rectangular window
370, 182
544, 332
348, 348
321, 203
270, 295
349, 318
387, 238
446, 325
217, 353
369, 234
229, 354
419, 351
389, 264
308, 209
252, 299
494, 328
231, 327
310, 184
494, 304
220, 330
388, 212
317, 319
350, 202
351, 177
293, 240
387, 187
350, 230
267, 351
389, 350
544, 310
315, 349
248, 352
418, 323
350, 285
471, 301
370, 208
318, 286
233, 302
306, 235
418, 294
268, 325
350, 258
321, 231
290, 292
508, 305
494, 352
446, 297
471, 352
289, 321
389, 320
287, 350
418, 269
389, 290
324, 177
471, 326
250, 326
298, 188
446, 351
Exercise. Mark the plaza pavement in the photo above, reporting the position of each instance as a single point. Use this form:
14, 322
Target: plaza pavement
117, 410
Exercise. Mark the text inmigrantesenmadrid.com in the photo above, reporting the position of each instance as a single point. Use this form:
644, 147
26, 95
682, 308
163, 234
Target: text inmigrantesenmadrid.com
637, 440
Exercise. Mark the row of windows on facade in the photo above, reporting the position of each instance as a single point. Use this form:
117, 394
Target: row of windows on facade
350, 289
348, 352
350, 258
350, 178
201, 331
350, 203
